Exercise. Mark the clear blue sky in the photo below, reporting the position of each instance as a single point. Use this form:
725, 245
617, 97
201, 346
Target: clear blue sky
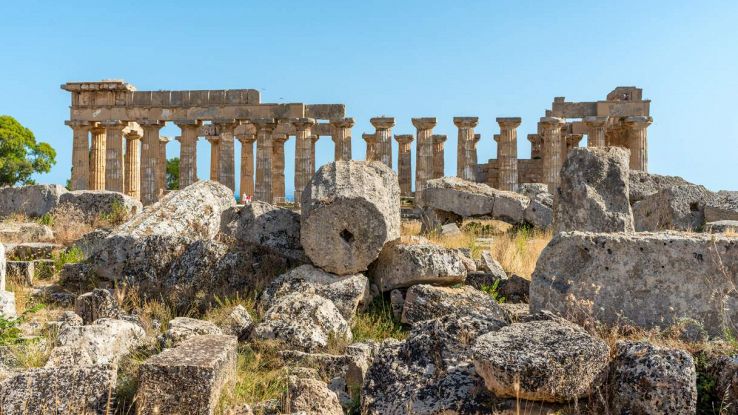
399, 58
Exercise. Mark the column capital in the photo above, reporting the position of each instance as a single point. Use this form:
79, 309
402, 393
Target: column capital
280, 138
213, 139
509, 123
303, 123
424, 123
370, 138
151, 123
534, 138
314, 138
97, 128
496, 137
114, 124
638, 122
552, 122
268, 124
477, 137
342, 122
595, 122
382, 122
404, 138
246, 138
187, 123
77, 123
466, 122
164, 139
133, 135
438, 138
574, 138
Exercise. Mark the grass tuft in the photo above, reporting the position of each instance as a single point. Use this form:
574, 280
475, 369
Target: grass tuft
376, 323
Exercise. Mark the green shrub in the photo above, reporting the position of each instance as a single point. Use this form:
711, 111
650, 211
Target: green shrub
492, 291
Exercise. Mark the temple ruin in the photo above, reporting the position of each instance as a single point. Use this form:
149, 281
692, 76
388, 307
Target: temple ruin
111, 120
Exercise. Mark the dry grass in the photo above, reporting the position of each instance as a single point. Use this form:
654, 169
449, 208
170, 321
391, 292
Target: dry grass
376, 323
518, 251
69, 224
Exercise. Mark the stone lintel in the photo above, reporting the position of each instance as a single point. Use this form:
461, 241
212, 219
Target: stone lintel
237, 112
638, 121
325, 111
104, 85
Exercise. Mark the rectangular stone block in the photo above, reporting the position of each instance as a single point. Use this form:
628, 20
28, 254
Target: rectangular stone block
31, 251
21, 272
189, 378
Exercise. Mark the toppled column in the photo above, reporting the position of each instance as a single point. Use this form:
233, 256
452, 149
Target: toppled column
80, 154
438, 155
226, 163
303, 144
188, 152
214, 157
247, 164
371, 146
424, 153
264, 130
161, 177
114, 155
404, 164
383, 138
97, 158
507, 153
551, 132
278, 187
149, 161
638, 141
596, 127
342, 138
464, 168
350, 210
132, 179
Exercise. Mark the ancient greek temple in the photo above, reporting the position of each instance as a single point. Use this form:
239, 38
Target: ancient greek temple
117, 144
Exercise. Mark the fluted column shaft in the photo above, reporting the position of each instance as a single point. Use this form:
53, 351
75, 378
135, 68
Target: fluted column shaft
404, 164
162, 167
596, 127
424, 154
313, 140
150, 155
638, 141
438, 155
132, 180
264, 130
383, 139
97, 158
247, 164
114, 156
214, 157
466, 151
551, 132
536, 144
507, 154
371, 146
278, 185
341, 130
303, 156
569, 142
80, 154
226, 155
188, 153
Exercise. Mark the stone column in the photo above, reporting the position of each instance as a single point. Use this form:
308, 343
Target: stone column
214, 157
226, 155
303, 156
188, 152
278, 187
114, 155
371, 146
162, 166
80, 179
596, 127
341, 130
383, 139
638, 141
97, 158
247, 164
264, 129
507, 154
404, 164
535, 146
568, 143
132, 179
313, 140
552, 161
423, 154
465, 150
438, 155
150, 150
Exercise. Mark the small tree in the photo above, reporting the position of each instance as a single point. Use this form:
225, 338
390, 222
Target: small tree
173, 174
20, 155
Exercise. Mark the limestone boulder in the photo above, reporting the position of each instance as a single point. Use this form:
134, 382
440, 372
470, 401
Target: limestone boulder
265, 225
21, 272
539, 213
91, 242
348, 293
593, 194
350, 210
534, 190
100, 204
724, 206
188, 379
722, 226
238, 323
7, 304
303, 321
645, 379
668, 276
96, 304
31, 251
183, 328
426, 302
403, 264
32, 201
643, 184
723, 369
673, 208
548, 360
21, 232
58, 390
311, 396
104, 342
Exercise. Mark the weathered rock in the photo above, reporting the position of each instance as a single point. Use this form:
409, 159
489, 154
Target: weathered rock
350, 210
534, 190
105, 341
429, 373
643, 184
515, 289
425, 302
481, 279
673, 208
326, 365
723, 371
545, 360
668, 276
397, 303
645, 379
516, 312
183, 328
593, 194
7, 304
196, 269
238, 323
14, 232
722, 226
58, 390
3, 268
303, 321
450, 229
723, 207
433, 220
348, 293
101, 204
31, 251
265, 225
90, 242
189, 378
311, 396
33, 201
403, 264
488, 263
67, 318
20, 272
96, 304
539, 214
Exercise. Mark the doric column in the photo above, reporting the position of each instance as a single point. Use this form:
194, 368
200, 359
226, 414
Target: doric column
97, 158
264, 129
383, 139
638, 141
278, 187
132, 179
507, 154
188, 152
535, 146
552, 161
226, 155
569, 142
465, 150
313, 140
247, 164
596, 127
404, 164
150, 150
303, 157
214, 141
341, 130
423, 154
162, 166
80, 154
438, 155
114, 155
371, 146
